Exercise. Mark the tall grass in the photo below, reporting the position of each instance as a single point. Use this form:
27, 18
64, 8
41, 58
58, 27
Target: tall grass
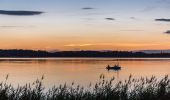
130, 89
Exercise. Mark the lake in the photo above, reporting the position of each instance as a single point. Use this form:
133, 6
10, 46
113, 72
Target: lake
80, 70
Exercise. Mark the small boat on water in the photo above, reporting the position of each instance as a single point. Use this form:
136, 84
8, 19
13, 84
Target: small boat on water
115, 67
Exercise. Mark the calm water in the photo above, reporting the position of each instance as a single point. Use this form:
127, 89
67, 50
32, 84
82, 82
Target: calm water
80, 70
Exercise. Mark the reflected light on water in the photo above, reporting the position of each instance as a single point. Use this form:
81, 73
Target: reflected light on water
80, 70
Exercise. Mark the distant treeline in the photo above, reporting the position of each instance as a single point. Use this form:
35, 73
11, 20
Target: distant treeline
39, 53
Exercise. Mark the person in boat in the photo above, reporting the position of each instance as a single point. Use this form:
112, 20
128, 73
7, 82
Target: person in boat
108, 67
115, 67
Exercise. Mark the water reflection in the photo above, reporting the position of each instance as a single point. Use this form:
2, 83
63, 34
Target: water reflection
80, 70
117, 72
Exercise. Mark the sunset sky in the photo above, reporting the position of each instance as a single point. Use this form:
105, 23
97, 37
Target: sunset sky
85, 24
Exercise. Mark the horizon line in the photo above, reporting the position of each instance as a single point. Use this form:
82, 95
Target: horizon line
88, 50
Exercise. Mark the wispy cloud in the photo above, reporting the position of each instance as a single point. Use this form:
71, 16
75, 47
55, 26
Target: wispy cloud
132, 30
10, 26
132, 18
109, 18
163, 19
88, 8
20, 13
78, 45
167, 32
110, 44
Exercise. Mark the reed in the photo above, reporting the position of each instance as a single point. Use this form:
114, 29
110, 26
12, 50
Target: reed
131, 89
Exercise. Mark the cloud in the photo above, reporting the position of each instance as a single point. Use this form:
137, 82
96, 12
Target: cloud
10, 26
109, 18
163, 19
132, 18
88, 8
167, 32
110, 44
20, 13
78, 45
131, 30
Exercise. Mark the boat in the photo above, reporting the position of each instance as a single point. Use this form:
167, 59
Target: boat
115, 67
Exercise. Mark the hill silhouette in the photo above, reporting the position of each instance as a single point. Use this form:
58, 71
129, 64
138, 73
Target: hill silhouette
40, 53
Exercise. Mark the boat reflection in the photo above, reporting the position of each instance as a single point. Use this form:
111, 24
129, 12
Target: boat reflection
116, 68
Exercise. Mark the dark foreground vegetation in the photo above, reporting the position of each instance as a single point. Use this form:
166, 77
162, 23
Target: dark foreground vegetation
39, 53
131, 89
